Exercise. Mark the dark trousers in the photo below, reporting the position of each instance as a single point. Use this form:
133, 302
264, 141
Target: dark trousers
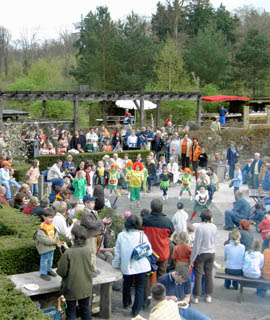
204, 263
233, 272
139, 281
84, 308
150, 180
195, 165
185, 161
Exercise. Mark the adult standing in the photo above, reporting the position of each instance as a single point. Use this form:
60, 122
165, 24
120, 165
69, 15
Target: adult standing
240, 210
232, 158
195, 154
255, 170
158, 143
222, 115
203, 255
152, 172
133, 270
185, 151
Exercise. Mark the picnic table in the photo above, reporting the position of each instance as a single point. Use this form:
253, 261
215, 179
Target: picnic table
105, 278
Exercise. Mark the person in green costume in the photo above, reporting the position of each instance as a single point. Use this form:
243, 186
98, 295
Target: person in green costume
164, 182
79, 185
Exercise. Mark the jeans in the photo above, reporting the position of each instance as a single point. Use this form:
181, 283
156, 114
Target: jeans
150, 178
211, 189
255, 181
192, 314
139, 281
234, 272
231, 218
231, 171
204, 263
34, 189
46, 262
6, 184
234, 190
84, 308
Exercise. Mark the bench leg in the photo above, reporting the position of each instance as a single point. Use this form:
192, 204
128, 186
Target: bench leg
105, 300
241, 293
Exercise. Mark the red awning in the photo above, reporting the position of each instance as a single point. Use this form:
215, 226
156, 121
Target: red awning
224, 98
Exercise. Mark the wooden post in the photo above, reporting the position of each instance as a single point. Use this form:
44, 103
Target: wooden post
245, 117
1, 114
142, 112
199, 111
76, 115
268, 115
158, 114
44, 109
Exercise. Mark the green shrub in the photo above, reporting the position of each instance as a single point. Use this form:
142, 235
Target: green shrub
20, 170
46, 161
15, 305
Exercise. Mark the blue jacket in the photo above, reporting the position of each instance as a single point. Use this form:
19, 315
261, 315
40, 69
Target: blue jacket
242, 207
231, 156
234, 255
237, 179
125, 244
266, 181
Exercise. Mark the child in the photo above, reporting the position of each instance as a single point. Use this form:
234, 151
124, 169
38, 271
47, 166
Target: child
182, 250
127, 214
79, 185
201, 200
179, 220
89, 178
253, 261
113, 179
234, 253
46, 241
89, 146
33, 203
258, 214
186, 180
265, 229
100, 174
191, 234
237, 179
33, 175
136, 181
72, 209
203, 159
127, 173
145, 213
75, 266
164, 182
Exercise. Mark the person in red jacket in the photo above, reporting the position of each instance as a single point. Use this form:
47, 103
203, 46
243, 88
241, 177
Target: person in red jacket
265, 229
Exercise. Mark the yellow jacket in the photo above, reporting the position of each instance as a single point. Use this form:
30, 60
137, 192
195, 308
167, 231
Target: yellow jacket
136, 179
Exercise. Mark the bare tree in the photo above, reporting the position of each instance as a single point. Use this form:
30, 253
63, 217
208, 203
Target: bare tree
4, 49
67, 40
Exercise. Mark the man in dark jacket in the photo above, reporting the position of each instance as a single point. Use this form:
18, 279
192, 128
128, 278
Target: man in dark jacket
75, 140
255, 170
240, 210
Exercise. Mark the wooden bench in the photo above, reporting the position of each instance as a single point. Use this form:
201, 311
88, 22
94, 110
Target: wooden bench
244, 282
105, 279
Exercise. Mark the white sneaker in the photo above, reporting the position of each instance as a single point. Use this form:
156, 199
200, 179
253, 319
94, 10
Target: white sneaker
167, 197
191, 198
208, 299
179, 198
129, 195
194, 300
110, 195
163, 198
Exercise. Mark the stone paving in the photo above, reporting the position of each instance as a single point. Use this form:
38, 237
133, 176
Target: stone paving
225, 302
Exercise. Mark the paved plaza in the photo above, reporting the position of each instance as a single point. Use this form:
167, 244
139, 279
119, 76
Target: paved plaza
225, 304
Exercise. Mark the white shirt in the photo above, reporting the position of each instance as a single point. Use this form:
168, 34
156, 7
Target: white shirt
60, 225
179, 221
55, 173
93, 137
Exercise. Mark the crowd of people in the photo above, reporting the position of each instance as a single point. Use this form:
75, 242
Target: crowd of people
183, 253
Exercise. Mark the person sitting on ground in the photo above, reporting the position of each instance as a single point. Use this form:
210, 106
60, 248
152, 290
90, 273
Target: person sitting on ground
33, 203
164, 309
253, 261
178, 288
182, 250
75, 268
2, 196
19, 201
234, 253
46, 240
240, 210
39, 210
180, 218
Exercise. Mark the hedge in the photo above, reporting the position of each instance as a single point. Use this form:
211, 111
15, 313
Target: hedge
46, 161
15, 305
18, 252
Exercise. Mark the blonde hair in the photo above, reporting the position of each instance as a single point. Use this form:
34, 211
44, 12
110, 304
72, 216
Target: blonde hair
235, 236
60, 206
256, 246
190, 228
33, 201
181, 238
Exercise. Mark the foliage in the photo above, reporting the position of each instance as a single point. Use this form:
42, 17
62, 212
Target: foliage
46, 161
252, 60
169, 70
207, 56
16, 305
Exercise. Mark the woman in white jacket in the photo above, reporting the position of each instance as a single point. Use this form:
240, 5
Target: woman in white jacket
133, 270
254, 261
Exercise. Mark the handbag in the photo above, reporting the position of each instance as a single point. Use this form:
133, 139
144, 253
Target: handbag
141, 250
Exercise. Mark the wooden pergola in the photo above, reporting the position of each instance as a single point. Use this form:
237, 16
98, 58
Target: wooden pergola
103, 96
